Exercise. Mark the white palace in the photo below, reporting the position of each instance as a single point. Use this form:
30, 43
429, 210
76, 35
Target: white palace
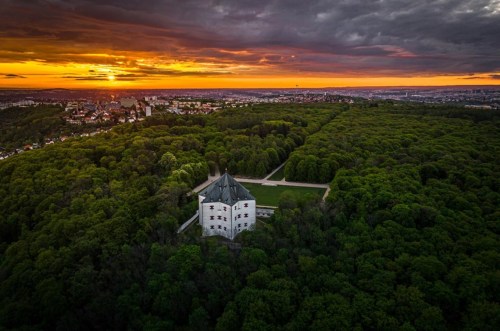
226, 208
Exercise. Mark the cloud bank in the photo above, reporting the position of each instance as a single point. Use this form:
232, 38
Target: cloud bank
255, 37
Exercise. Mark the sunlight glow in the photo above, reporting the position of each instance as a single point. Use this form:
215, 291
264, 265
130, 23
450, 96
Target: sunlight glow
154, 72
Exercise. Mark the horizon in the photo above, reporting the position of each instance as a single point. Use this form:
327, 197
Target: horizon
260, 88
80, 44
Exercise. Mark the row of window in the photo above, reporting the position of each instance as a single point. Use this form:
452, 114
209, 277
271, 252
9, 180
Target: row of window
212, 227
225, 208
219, 227
225, 218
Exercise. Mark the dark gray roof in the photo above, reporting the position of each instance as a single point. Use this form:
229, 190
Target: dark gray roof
227, 190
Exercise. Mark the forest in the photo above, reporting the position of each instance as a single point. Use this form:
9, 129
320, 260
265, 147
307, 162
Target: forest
20, 126
408, 238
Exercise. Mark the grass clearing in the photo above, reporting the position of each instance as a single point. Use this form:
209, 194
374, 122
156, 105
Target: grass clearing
270, 195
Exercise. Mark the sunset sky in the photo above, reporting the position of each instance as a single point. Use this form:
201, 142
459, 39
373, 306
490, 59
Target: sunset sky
248, 43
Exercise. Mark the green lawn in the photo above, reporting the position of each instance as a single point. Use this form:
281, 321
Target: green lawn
278, 175
270, 195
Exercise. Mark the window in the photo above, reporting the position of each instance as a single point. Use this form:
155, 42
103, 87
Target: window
246, 215
225, 208
225, 219
219, 227
211, 217
239, 215
225, 229
219, 217
212, 207
211, 227
246, 224
235, 218
239, 225
245, 205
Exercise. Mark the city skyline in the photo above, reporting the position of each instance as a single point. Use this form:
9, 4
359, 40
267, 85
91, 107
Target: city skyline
248, 44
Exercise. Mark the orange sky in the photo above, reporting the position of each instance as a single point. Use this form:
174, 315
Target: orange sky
37, 74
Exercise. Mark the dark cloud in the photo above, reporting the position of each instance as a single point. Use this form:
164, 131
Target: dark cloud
482, 77
363, 37
11, 76
134, 74
87, 78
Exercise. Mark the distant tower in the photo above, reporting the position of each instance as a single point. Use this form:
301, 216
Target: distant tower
148, 110
226, 208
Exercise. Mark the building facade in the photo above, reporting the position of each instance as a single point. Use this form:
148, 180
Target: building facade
226, 208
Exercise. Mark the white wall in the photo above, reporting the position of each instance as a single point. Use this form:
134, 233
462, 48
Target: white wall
200, 200
233, 224
215, 213
243, 223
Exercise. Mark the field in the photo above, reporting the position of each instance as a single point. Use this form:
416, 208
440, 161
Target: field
270, 195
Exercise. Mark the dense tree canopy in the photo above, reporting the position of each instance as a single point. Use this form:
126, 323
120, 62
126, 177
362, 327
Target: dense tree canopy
407, 239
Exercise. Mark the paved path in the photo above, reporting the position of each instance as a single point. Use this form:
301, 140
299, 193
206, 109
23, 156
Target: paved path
266, 207
326, 193
279, 182
275, 170
207, 182
188, 222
